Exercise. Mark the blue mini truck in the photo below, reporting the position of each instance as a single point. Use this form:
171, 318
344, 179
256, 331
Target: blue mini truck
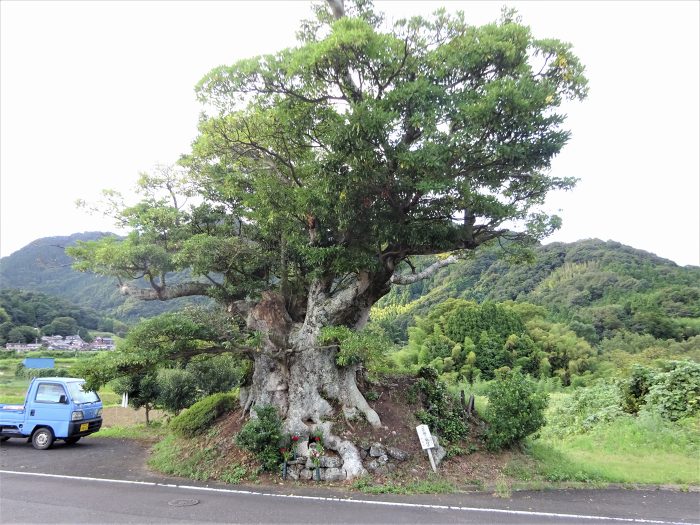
55, 408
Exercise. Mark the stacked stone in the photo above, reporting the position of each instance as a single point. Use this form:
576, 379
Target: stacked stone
380, 459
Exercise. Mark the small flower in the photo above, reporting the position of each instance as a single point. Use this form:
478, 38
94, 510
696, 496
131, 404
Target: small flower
317, 438
295, 438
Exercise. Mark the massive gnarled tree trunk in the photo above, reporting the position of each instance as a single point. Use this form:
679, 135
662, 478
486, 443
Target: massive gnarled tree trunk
299, 377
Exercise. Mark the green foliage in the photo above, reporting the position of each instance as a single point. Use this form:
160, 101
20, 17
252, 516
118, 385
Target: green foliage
143, 390
584, 409
442, 413
218, 373
93, 301
646, 449
596, 287
471, 341
262, 435
675, 391
367, 347
201, 415
20, 334
300, 199
177, 389
31, 373
635, 388
171, 340
177, 457
515, 410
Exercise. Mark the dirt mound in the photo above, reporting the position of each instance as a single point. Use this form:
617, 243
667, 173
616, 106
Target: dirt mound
467, 466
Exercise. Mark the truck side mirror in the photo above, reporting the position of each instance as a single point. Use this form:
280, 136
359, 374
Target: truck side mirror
63, 399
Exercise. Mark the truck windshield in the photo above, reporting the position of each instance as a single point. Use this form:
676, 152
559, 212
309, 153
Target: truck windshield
81, 396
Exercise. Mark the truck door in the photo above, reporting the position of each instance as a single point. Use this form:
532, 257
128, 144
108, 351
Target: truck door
47, 409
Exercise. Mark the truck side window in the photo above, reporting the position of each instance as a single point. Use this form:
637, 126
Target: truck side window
49, 393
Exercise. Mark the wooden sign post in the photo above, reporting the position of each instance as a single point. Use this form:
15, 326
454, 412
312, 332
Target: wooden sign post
427, 443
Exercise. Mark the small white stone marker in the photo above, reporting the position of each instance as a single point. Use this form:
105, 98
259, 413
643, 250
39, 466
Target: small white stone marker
427, 443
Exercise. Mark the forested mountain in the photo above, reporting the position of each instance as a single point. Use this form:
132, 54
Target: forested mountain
597, 288
577, 312
43, 266
25, 316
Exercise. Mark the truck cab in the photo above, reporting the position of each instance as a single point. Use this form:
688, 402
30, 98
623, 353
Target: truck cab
54, 408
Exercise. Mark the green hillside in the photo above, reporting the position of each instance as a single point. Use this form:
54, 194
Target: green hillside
599, 289
43, 266
24, 316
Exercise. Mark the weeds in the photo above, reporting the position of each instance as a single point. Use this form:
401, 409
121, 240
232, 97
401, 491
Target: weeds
503, 488
432, 485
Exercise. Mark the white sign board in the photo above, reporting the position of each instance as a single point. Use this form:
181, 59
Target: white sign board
426, 439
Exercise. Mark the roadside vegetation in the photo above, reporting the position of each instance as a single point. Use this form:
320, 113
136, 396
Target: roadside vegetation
327, 219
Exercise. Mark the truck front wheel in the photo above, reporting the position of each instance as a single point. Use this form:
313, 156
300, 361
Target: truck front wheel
42, 439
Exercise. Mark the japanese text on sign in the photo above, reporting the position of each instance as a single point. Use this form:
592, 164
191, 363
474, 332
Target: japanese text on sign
426, 439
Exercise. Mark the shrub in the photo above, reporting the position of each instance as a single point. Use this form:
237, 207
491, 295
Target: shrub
30, 373
586, 408
515, 409
202, 414
442, 414
675, 393
214, 374
177, 389
262, 436
635, 389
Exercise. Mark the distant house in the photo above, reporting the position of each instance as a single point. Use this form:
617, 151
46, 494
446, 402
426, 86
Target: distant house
70, 343
21, 347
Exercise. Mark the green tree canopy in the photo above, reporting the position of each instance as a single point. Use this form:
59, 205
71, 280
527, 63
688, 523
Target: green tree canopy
321, 170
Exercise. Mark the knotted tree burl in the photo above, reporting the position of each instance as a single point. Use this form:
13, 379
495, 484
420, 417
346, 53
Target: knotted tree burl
321, 172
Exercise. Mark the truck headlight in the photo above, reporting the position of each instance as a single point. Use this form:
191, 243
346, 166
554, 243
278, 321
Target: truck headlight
77, 415
99, 412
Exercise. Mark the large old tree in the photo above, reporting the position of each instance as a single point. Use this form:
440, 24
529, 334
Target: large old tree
319, 172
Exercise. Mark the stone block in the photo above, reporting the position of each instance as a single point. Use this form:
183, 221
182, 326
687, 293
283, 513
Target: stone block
332, 474
376, 450
331, 462
397, 454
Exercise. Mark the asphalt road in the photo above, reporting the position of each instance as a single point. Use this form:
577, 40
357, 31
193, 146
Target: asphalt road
106, 481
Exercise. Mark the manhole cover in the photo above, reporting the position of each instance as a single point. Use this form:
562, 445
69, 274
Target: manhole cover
183, 502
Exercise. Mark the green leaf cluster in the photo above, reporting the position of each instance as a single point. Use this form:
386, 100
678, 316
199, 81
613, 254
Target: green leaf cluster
515, 410
442, 413
262, 435
200, 416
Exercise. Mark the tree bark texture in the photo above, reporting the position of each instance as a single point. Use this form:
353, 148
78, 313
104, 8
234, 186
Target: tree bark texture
302, 380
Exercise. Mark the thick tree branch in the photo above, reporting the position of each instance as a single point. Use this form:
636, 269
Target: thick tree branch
166, 293
410, 278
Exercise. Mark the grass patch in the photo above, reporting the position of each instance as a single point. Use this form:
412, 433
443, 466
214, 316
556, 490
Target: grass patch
431, 485
179, 457
151, 432
645, 449
167, 458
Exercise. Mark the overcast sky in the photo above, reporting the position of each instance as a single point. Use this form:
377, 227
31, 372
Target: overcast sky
94, 92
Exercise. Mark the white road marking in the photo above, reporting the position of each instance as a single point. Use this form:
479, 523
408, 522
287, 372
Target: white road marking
347, 500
